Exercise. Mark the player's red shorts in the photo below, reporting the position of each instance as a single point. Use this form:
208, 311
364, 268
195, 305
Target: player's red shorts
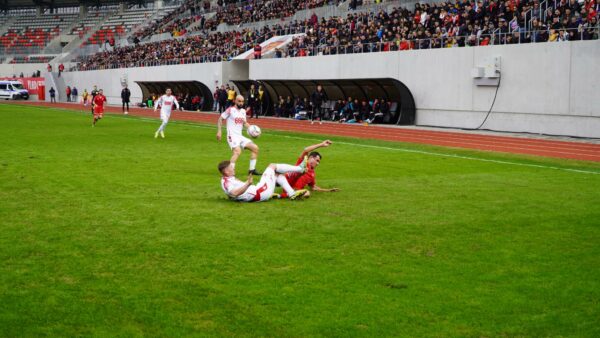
98, 112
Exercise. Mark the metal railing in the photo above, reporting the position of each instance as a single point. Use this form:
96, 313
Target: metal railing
496, 38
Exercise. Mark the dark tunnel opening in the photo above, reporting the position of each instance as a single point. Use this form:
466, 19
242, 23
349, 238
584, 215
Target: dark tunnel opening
402, 106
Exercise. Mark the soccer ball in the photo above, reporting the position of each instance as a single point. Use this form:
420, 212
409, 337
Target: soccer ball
254, 131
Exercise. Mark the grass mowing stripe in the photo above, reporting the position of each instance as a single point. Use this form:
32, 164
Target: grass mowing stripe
401, 149
430, 153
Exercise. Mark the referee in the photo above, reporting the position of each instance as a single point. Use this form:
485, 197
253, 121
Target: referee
94, 93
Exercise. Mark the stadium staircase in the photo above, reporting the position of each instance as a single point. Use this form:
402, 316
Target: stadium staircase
71, 50
58, 83
55, 45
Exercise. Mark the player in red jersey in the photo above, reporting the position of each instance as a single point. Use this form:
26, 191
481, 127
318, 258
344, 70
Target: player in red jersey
98, 106
308, 178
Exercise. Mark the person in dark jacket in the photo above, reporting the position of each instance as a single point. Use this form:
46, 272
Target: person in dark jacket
74, 94
253, 101
125, 96
317, 99
94, 93
222, 98
52, 94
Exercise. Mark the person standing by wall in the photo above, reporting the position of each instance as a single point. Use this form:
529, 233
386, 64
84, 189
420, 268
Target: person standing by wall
52, 94
74, 94
222, 99
125, 96
68, 92
84, 97
253, 101
317, 98
261, 98
230, 96
216, 99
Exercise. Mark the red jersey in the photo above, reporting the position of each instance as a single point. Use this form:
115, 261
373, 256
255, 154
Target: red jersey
298, 180
99, 103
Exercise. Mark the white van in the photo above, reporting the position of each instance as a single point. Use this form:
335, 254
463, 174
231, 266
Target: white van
13, 90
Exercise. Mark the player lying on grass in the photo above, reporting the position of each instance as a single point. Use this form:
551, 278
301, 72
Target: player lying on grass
166, 103
263, 191
307, 178
236, 120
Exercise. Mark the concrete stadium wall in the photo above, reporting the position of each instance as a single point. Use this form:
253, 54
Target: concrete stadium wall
547, 88
110, 80
15, 69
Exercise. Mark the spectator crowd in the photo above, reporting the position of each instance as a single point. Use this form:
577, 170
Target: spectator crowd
438, 25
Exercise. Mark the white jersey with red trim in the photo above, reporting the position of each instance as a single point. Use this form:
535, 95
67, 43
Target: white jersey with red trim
229, 184
255, 193
166, 103
235, 121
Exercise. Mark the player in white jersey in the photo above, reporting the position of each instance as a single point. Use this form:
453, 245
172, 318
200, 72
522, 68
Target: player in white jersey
236, 121
263, 191
166, 103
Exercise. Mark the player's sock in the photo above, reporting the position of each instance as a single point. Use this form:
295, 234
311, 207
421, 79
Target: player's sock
252, 165
286, 168
162, 126
283, 182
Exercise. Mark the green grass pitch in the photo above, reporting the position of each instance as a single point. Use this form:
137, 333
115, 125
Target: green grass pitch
107, 231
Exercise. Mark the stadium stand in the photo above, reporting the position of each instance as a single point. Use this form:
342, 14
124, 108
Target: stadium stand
255, 11
437, 25
120, 24
31, 33
177, 20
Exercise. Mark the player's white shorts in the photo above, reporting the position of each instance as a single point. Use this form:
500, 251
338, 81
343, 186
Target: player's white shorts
266, 187
238, 141
165, 116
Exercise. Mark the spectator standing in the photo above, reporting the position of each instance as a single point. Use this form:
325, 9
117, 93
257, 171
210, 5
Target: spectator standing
125, 96
230, 96
261, 98
68, 92
61, 68
222, 99
289, 107
49, 67
280, 107
216, 99
52, 94
21, 75
74, 94
253, 101
317, 99
257, 52
84, 97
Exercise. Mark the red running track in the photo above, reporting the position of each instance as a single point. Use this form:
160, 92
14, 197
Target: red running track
507, 144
